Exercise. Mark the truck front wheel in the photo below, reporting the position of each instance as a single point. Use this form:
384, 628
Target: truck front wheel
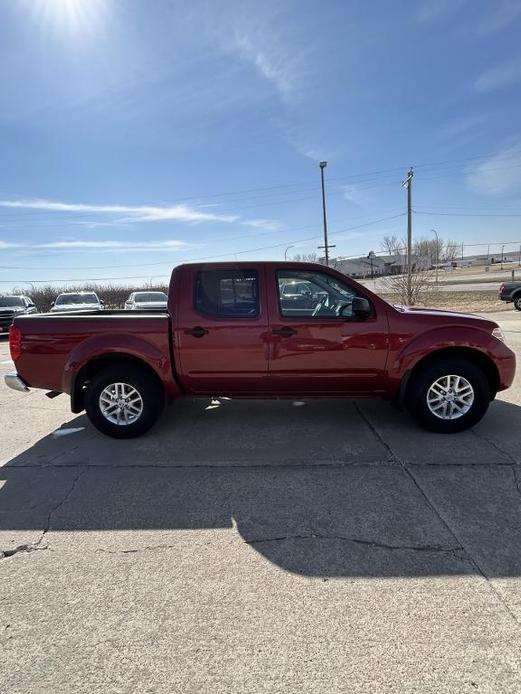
448, 395
517, 302
124, 401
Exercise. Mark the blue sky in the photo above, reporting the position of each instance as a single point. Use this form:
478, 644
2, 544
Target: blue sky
135, 135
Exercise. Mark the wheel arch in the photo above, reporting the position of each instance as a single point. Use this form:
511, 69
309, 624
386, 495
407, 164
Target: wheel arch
475, 356
82, 377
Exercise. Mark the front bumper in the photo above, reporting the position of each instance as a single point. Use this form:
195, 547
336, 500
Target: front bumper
16, 382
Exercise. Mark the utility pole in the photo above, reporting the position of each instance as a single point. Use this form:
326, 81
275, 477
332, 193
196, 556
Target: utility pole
326, 246
371, 257
519, 258
407, 183
437, 252
502, 255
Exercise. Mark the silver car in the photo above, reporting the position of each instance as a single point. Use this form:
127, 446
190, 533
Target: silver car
77, 301
146, 301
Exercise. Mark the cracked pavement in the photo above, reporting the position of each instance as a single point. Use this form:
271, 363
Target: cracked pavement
260, 547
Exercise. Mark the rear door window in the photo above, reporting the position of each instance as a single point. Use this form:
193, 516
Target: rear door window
227, 293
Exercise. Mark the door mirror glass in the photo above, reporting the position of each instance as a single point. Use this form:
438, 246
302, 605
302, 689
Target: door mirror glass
360, 307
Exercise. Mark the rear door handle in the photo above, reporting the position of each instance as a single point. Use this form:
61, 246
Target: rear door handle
286, 331
197, 331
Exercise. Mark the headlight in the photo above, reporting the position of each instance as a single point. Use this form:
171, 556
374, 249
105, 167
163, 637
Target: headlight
498, 333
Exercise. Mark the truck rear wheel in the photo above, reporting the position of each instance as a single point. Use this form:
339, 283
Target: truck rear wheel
448, 395
517, 302
124, 401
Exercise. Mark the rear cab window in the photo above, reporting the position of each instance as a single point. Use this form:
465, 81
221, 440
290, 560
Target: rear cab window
227, 293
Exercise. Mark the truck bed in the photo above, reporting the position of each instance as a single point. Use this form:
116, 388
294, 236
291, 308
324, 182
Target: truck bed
54, 346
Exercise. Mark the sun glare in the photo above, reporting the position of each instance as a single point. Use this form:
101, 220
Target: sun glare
68, 15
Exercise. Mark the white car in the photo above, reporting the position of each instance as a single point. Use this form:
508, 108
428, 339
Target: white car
146, 301
77, 301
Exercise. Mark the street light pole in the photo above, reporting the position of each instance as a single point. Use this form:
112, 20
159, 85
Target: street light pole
502, 255
323, 165
408, 185
437, 252
286, 252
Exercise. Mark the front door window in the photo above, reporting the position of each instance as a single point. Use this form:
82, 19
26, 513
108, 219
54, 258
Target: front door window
310, 294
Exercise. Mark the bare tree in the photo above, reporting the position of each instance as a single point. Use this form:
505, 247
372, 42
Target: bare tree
450, 250
392, 245
305, 258
430, 250
113, 295
421, 286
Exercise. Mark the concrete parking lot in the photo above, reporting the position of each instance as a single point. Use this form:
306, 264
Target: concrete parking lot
260, 546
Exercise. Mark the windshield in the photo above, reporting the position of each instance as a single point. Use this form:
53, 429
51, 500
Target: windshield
144, 297
11, 301
76, 299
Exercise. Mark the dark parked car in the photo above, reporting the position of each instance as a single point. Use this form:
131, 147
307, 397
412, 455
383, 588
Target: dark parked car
511, 292
12, 306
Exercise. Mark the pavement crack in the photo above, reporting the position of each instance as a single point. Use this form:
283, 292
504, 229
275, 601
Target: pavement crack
392, 456
135, 550
32, 547
37, 546
466, 556
57, 507
494, 445
517, 481
357, 541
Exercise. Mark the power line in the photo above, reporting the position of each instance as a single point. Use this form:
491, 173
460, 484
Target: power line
458, 214
154, 264
310, 185
213, 257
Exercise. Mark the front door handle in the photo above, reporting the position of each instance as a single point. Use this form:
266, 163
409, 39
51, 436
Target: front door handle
286, 331
197, 331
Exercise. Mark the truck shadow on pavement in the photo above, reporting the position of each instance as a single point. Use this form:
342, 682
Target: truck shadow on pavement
328, 488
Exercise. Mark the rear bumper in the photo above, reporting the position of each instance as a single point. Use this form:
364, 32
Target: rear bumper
16, 382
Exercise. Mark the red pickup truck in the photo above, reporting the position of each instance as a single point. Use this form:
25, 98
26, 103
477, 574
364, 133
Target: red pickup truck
263, 329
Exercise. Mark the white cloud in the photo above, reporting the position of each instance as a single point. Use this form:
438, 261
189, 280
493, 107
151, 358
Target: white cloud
462, 127
437, 10
499, 175
501, 16
499, 77
140, 213
276, 68
267, 224
353, 194
108, 245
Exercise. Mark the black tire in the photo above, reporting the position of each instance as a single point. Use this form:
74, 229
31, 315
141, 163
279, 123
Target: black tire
517, 302
147, 386
421, 381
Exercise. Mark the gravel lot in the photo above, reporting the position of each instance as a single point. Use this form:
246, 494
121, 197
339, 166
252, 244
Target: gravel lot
260, 546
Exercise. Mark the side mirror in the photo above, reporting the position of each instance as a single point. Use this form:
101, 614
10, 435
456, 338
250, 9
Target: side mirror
102, 302
361, 307
52, 303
